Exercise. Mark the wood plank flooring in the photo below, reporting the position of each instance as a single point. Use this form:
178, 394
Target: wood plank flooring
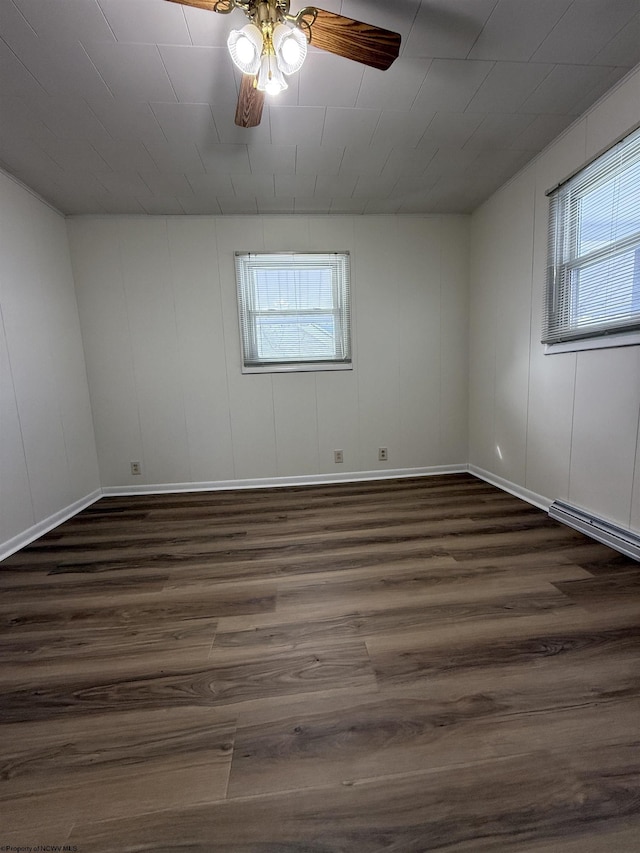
395, 666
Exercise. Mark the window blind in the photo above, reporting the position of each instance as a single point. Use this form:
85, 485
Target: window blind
294, 308
593, 272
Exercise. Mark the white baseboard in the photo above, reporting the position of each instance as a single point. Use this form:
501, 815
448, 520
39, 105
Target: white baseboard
281, 482
623, 541
27, 536
513, 488
35, 531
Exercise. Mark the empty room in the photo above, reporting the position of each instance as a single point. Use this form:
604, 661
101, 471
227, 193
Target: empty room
320, 426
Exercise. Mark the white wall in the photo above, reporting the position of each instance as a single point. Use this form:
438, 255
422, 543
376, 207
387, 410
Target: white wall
159, 319
561, 426
47, 451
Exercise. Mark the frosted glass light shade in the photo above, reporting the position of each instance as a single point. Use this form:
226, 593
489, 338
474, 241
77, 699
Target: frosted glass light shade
245, 47
270, 79
290, 45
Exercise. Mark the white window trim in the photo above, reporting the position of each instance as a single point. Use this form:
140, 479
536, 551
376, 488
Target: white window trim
345, 314
594, 338
621, 339
298, 367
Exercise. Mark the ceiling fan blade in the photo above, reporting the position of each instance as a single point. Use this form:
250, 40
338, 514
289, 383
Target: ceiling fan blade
250, 103
355, 40
209, 5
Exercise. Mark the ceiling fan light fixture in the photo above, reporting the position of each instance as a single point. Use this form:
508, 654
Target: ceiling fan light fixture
270, 78
290, 45
245, 47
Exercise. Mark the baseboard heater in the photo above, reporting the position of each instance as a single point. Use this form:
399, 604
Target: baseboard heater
625, 541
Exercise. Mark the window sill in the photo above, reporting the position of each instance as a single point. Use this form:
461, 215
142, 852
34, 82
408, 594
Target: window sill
623, 339
313, 367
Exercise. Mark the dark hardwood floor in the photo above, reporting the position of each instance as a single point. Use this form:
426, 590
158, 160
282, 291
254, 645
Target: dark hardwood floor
385, 667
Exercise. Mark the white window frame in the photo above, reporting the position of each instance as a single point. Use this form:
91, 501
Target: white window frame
248, 263
561, 331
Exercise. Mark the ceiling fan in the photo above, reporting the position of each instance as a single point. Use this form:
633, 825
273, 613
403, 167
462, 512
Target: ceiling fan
274, 43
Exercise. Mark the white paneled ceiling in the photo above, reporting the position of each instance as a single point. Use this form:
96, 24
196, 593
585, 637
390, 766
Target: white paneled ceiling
127, 106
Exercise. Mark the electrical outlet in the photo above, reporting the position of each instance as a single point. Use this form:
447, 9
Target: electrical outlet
382, 454
136, 468
338, 456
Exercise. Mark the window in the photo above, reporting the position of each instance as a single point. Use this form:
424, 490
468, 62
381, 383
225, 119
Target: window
593, 279
294, 311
